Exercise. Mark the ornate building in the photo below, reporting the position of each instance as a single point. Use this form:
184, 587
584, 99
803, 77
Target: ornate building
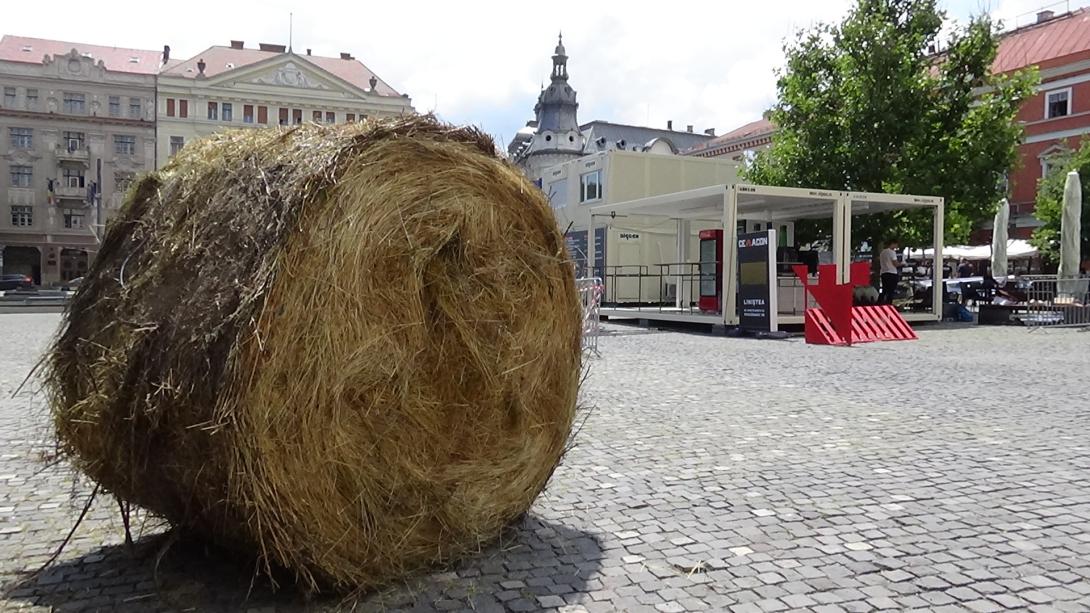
77, 123
554, 137
238, 87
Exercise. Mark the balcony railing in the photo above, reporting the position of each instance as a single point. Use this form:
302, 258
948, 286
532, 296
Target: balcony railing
71, 153
61, 190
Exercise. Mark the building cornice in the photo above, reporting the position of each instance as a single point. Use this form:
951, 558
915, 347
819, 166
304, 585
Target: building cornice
91, 119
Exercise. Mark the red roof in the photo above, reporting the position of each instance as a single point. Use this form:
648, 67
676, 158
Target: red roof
116, 59
752, 129
1036, 44
219, 60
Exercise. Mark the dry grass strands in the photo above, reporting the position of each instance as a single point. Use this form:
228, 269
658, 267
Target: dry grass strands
353, 350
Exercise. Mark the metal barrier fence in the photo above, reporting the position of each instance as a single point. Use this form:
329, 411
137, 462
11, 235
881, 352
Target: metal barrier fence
590, 295
1056, 302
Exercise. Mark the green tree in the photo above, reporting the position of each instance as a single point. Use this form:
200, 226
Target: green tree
863, 105
1050, 196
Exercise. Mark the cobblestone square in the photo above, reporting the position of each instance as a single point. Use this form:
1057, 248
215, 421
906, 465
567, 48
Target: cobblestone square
710, 473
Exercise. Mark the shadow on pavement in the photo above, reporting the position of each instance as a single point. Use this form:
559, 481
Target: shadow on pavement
534, 565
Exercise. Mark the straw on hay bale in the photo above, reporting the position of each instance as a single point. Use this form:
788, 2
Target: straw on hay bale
351, 350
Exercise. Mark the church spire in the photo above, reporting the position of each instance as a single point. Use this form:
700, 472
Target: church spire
560, 60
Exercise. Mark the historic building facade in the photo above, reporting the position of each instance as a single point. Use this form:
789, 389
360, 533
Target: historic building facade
77, 124
238, 87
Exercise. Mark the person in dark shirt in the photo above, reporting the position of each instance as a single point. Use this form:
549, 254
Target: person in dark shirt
965, 269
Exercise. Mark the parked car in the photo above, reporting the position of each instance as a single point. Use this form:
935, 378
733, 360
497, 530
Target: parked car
10, 282
73, 285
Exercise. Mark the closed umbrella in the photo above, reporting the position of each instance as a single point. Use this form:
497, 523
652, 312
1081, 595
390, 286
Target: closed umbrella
999, 241
1070, 222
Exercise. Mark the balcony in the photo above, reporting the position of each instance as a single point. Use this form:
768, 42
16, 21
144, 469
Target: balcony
72, 153
62, 190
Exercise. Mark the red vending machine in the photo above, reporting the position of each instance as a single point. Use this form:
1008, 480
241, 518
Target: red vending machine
711, 270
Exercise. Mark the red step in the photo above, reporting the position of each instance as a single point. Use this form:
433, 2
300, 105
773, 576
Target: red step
869, 324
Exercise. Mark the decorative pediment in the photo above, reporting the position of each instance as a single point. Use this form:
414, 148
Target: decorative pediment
1056, 150
289, 74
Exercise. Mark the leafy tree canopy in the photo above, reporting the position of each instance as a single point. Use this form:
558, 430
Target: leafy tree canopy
864, 105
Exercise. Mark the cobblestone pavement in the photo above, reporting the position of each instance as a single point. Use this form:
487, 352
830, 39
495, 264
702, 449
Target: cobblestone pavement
951, 473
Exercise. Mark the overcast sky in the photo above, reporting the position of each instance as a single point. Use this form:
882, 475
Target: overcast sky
706, 63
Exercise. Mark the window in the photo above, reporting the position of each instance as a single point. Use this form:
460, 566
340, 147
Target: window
73, 218
213, 110
350, 117
283, 116
176, 144
73, 141
558, 193
124, 144
73, 177
21, 176
9, 97
228, 111
21, 138
247, 113
1058, 103
22, 216
330, 117
75, 103
31, 98
183, 108
590, 186
263, 114
122, 181
170, 107
297, 116
316, 116
115, 106
134, 108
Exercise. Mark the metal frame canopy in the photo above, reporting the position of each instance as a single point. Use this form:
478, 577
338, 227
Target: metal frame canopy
730, 202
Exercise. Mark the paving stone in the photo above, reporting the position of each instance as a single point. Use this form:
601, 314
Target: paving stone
772, 493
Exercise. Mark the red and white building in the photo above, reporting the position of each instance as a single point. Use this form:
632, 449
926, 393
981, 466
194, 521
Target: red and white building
738, 144
1057, 116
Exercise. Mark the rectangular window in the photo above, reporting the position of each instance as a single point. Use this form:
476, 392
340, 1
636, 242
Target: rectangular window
73, 218
297, 116
228, 111
213, 110
134, 108
170, 107
316, 116
22, 216
1058, 103
122, 181
350, 117
283, 116
115, 106
183, 108
124, 144
73, 141
75, 103
330, 117
558, 193
263, 114
72, 177
9, 97
176, 144
590, 186
31, 98
21, 138
247, 113
21, 176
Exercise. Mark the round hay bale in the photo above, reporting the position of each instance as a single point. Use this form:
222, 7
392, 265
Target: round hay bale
352, 350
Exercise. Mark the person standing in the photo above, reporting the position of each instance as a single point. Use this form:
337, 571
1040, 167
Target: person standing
890, 273
965, 269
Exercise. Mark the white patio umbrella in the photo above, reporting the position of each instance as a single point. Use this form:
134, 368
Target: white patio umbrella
1070, 223
999, 241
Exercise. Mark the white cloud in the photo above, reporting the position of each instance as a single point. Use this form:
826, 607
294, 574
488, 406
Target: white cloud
703, 63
